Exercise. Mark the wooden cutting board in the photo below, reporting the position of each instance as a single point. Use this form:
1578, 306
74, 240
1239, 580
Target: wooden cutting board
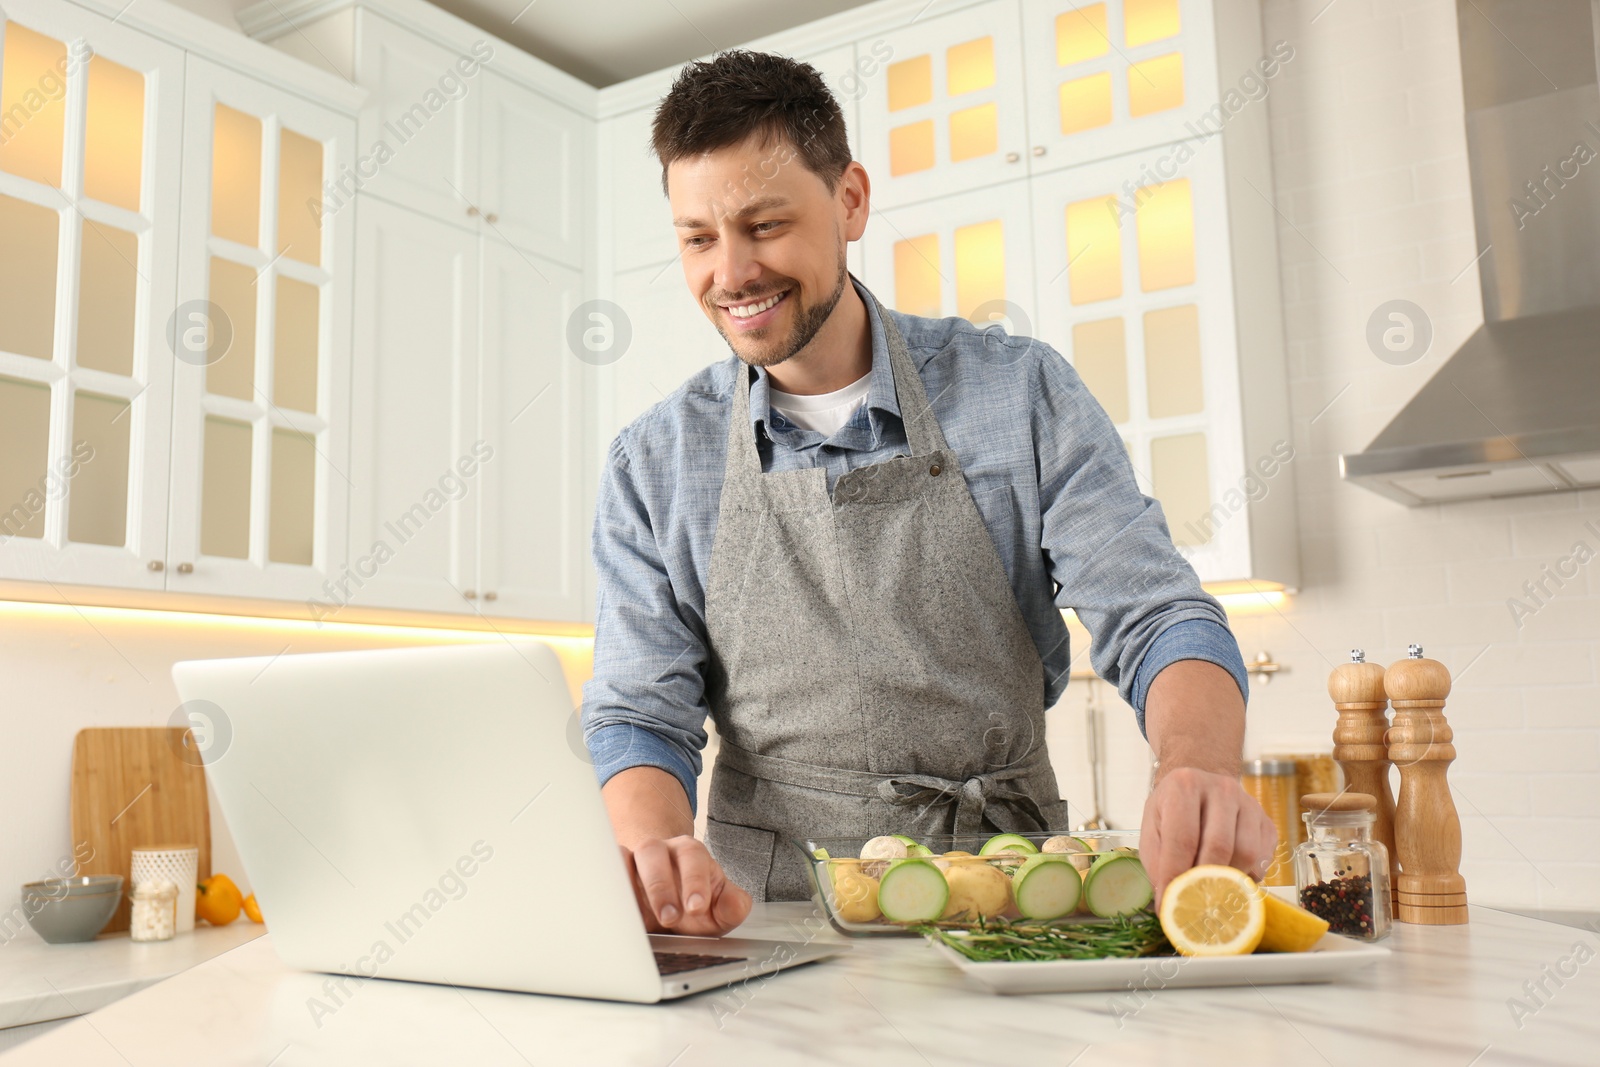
132, 787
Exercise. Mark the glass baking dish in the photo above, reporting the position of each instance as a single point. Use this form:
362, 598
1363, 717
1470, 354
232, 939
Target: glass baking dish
847, 886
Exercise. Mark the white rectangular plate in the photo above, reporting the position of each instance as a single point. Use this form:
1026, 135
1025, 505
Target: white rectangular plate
1333, 956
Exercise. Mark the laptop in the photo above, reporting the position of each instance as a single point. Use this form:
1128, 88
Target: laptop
432, 814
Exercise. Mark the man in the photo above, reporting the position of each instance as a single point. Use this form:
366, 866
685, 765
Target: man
850, 544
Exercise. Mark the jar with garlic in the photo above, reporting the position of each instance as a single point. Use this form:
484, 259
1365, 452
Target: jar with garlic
155, 911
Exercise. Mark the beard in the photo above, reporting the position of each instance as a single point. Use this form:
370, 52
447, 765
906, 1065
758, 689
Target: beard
808, 320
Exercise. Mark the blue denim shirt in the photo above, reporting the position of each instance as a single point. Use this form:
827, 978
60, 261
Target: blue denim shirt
1046, 468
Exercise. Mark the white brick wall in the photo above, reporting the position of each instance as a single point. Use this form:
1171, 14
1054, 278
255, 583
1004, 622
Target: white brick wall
1370, 168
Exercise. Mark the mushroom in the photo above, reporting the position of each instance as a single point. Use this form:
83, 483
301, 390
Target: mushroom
881, 850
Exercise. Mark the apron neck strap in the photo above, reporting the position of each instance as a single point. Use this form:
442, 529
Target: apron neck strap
922, 429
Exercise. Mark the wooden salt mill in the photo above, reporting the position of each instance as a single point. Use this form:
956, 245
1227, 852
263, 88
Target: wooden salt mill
1430, 889
1359, 746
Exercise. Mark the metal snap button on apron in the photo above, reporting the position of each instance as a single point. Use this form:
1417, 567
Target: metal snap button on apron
870, 671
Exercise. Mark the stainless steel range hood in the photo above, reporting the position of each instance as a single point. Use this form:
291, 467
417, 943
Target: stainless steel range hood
1517, 408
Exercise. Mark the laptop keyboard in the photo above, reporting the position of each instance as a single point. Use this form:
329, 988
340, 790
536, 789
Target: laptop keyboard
678, 962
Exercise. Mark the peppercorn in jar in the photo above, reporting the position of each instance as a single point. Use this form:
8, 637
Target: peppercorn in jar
1340, 873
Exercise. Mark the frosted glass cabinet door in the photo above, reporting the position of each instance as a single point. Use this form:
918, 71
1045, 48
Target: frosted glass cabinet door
968, 255
260, 343
533, 411
1135, 289
89, 151
1113, 76
942, 108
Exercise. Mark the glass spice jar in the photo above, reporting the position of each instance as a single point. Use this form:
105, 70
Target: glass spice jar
1340, 872
155, 911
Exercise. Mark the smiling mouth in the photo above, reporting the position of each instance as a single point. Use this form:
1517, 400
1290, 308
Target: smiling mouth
753, 309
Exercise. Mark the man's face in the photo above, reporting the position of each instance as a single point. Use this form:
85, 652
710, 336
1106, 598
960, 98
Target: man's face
755, 226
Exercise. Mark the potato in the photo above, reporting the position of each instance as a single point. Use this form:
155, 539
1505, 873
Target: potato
977, 890
855, 896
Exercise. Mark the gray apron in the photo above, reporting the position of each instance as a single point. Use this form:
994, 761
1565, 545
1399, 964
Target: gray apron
870, 670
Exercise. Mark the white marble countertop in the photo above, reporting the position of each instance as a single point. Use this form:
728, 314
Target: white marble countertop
1440, 998
40, 981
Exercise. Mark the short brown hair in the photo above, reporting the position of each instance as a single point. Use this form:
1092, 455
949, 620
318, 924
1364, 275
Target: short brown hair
720, 102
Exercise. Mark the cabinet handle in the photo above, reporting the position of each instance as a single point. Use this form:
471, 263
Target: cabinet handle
157, 565
1012, 157
472, 211
491, 218
1038, 149
470, 595
491, 595
186, 568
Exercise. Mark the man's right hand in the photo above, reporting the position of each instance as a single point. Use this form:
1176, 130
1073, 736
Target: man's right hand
681, 889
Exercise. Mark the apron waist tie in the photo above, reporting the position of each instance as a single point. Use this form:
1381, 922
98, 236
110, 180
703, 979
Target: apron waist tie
972, 796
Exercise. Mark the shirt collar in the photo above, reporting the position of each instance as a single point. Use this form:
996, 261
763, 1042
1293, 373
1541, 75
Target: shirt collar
880, 385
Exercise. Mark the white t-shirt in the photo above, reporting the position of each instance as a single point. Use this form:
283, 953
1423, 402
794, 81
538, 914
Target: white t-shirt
823, 412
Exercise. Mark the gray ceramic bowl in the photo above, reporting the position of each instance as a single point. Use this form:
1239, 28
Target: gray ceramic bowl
87, 885
61, 910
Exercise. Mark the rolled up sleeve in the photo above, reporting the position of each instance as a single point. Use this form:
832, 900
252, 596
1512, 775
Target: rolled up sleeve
645, 705
1109, 551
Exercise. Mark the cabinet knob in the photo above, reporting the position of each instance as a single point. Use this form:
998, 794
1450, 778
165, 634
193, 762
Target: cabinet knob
491, 218
186, 568
491, 595
470, 594
1038, 149
472, 211
157, 565
1012, 157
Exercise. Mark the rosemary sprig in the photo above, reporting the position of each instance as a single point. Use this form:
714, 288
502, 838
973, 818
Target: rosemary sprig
1000, 941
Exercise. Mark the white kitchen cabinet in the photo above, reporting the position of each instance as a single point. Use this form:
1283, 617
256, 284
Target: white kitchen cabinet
260, 483
534, 410
88, 262
534, 171
947, 111
638, 219
1113, 77
471, 418
429, 137
413, 513
671, 339
455, 127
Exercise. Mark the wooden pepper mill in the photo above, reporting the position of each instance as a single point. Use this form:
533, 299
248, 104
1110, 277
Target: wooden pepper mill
1430, 889
1359, 746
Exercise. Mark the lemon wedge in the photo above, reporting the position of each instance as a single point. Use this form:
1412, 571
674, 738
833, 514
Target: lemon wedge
1213, 910
1290, 928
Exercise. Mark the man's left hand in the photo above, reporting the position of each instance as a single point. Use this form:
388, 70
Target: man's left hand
1194, 816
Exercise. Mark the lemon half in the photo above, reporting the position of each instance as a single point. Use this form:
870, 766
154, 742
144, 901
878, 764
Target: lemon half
1213, 910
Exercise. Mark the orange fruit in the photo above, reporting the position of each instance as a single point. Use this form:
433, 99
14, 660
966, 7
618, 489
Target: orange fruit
252, 910
217, 900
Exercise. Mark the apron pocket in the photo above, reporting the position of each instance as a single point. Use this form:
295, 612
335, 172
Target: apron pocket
744, 853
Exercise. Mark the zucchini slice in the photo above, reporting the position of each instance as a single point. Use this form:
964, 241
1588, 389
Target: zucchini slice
912, 890
1014, 842
1117, 885
1046, 887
